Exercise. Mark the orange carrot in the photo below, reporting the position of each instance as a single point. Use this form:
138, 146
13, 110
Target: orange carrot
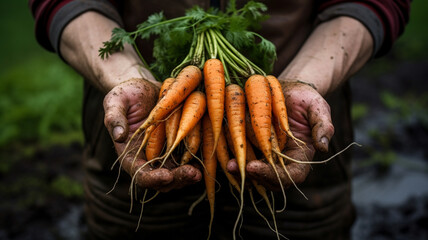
249, 131
214, 87
235, 114
210, 163
186, 81
229, 139
165, 85
278, 106
193, 141
164, 88
223, 158
259, 100
193, 110
251, 155
156, 142
171, 125
261, 190
281, 135
275, 146
260, 107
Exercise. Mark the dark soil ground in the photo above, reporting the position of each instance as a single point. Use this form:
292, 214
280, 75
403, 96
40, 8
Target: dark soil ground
391, 169
41, 195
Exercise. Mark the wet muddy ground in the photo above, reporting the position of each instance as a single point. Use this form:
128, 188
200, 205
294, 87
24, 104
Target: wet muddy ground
390, 188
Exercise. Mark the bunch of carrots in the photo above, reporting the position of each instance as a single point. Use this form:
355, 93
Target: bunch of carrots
216, 103
213, 122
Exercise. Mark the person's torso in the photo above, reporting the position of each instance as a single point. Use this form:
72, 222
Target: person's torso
288, 25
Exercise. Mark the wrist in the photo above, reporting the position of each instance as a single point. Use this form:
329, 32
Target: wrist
334, 51
79, 47
119, 67
296, 80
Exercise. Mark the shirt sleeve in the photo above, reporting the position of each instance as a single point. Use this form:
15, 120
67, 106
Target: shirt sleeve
52, 16
384, 19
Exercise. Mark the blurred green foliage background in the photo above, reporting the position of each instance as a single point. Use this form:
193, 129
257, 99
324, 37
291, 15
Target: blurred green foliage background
40, 96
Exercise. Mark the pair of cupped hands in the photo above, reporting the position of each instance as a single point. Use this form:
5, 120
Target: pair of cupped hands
128, 104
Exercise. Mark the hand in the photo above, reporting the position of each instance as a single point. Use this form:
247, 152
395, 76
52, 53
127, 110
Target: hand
310, 121
126, 106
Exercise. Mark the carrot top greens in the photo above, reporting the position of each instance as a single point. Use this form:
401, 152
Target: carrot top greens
200, 35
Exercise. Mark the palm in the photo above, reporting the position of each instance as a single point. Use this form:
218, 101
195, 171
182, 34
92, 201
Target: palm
126, 107
309, 119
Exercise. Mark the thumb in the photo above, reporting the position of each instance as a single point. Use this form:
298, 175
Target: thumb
115, 117
321, 124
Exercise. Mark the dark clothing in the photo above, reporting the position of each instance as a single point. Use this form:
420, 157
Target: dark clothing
328, 214
392, 15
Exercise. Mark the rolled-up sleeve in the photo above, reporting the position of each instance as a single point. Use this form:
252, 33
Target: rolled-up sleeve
52, 16
384, 19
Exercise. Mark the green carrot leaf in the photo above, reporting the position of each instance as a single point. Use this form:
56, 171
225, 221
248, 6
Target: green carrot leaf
263, 53
196, 13
152, 26
231, 7
253, 13
116, 43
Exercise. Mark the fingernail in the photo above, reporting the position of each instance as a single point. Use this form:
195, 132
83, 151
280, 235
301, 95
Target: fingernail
117, 132
324, 141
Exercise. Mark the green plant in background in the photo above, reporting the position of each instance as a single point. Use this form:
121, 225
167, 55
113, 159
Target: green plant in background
413, 45
38, 99
34, 189
380, 152
67, 187
383, 159
406, 109
359, 111
40, 96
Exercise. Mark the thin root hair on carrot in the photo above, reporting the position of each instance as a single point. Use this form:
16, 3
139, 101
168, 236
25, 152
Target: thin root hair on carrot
193, 110
300, 143
141, 211
291, 179
275, 228
275, 147
125, 151
191, 153
209, 175
195, 203
321, 161
131, 187
118, 173
143, 201
231, 188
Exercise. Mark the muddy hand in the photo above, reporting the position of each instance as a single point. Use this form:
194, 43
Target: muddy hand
126, 107
310, 121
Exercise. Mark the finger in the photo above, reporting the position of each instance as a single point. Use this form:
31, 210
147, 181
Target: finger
232, 167
293, 174
115, 118
183, 176
264, 174
144, 174
320, 121
157, 179
148, 177
297, 172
